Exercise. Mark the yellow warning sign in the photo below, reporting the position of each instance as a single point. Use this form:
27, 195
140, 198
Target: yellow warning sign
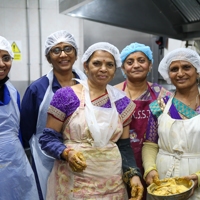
16, 45
17, 56
15, 48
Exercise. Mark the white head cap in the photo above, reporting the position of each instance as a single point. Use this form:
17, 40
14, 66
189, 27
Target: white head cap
5, 45
105, 46
178, 54
58, 37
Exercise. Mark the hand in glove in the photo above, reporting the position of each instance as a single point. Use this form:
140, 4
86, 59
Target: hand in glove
153, 177
136, 188
76, 160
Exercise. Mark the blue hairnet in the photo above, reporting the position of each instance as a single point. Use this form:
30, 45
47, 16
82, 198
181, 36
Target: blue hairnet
133, 47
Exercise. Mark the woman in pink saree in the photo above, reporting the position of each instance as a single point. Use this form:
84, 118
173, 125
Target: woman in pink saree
137, 60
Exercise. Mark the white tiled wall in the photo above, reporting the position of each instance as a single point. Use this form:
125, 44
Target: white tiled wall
13, 26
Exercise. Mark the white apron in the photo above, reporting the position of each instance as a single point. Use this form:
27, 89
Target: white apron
102, 122
17, 178
179, 146
43, 162
102, 178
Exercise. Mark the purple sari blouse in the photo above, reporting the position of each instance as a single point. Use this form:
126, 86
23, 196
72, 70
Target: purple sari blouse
64, 104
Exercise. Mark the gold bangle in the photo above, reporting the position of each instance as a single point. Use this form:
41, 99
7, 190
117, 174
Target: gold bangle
66, 153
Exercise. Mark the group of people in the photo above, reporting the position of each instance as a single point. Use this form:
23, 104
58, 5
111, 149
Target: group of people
91, 140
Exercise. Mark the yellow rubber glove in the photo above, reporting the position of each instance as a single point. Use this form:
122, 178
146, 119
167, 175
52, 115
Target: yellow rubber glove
77, 161
198, 174
149, 154
136, 188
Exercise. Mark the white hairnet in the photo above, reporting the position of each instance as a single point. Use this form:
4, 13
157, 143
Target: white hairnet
178, 54
58, 37
5, 45
105, 46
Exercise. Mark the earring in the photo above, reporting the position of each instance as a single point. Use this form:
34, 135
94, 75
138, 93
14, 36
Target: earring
197, 81
150, 70
86, 72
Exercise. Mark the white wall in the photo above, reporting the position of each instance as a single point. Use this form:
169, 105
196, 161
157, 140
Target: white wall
13, 26
174, 44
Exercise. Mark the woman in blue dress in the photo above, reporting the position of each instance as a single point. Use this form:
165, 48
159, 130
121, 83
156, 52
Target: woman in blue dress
17, 178
61, 52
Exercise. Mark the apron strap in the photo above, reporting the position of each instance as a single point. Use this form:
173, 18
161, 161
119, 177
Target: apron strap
169, 103
177, 156
82, 102
124, 86
152, 92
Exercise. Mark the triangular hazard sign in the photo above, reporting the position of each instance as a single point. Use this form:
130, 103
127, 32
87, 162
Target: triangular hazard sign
15, 48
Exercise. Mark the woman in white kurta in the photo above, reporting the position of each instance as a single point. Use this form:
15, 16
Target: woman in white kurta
172, 139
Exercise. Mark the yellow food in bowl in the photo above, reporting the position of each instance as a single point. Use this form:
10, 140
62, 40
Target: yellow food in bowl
169, 188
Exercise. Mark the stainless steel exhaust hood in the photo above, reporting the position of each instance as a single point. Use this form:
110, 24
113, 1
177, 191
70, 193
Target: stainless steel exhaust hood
67, 6
179, 19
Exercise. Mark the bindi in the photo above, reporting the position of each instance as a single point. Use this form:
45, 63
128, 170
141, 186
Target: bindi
103, 60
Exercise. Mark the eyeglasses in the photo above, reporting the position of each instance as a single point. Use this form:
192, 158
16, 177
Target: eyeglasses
57, 51
5, 58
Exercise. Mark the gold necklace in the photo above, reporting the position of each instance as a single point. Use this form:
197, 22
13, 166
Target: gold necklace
192, 101
129, 91
196, 101
73, 81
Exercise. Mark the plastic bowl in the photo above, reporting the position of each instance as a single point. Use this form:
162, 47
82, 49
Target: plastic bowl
181, 196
